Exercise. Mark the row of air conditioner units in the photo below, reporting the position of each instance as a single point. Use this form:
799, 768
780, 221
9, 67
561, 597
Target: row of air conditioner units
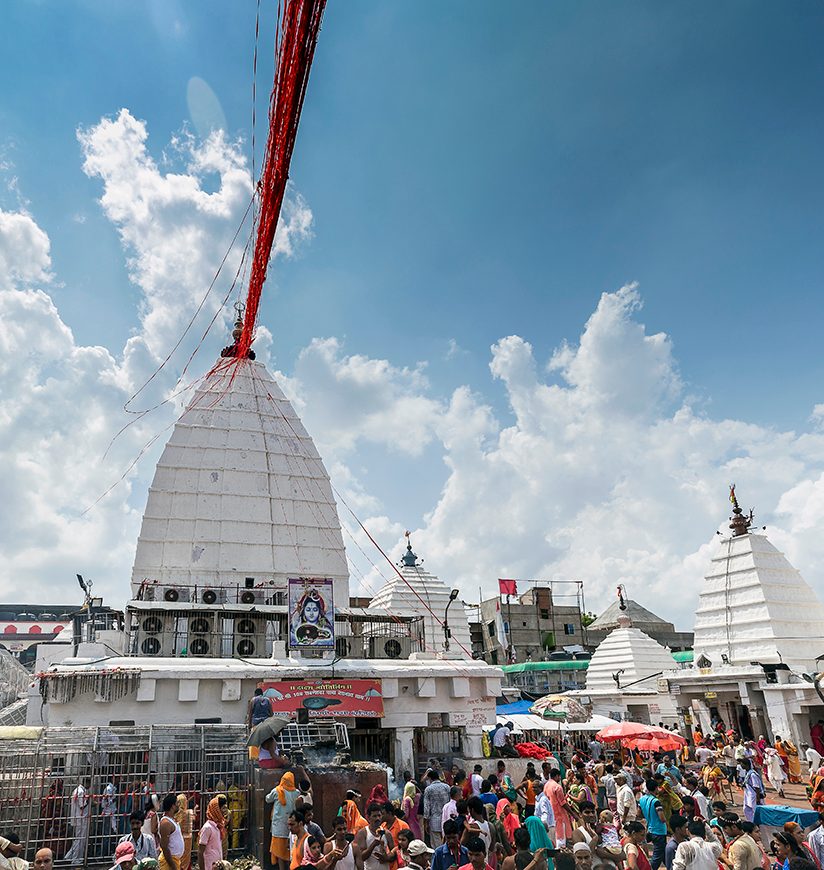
202, 635
374, 647
173, 594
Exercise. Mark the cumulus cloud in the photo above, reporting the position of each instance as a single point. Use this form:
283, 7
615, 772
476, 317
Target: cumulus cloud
601, 470
607, 474
61, 402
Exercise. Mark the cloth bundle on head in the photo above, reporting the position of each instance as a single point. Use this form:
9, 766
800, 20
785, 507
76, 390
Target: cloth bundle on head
378, 795
287, 783
409, 790
354, 820
215, 814
181, 808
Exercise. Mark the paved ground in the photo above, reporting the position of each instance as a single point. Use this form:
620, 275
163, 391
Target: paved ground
794, 796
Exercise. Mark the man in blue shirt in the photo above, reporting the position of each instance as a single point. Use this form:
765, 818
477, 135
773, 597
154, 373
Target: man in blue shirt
487, 795
669, 771
656, 823
451, 854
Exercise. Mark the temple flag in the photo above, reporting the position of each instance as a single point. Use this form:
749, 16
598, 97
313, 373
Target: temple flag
508, 587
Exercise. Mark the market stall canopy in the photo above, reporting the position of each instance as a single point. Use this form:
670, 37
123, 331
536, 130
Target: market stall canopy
528, 722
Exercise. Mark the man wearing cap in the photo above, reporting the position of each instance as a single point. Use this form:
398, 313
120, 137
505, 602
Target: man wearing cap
124, 857
451, 854
583, 856
420, 854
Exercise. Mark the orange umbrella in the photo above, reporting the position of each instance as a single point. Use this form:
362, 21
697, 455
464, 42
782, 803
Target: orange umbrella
624, 732
655, 744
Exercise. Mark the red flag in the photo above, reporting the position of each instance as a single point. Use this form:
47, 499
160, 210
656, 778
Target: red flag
508, 587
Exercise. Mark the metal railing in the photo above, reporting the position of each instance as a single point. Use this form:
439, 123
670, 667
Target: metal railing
118, 769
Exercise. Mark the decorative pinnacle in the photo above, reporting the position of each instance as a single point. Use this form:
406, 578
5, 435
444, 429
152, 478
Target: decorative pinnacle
232, 349
409, 560
739, 523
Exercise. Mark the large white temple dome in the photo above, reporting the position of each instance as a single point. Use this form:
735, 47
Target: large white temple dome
240, 491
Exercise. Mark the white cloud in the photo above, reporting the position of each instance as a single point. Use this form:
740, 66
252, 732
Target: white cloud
61, 402
607, 476
603, 471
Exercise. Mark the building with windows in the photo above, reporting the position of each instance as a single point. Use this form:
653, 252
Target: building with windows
529, 627
652, 625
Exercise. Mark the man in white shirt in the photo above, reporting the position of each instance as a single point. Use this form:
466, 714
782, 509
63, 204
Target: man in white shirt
476, 779
544, 811
500, 742
815, 840
450, 808
595, 749
626, 805
703, 754
79, 817
813, 758
696, 853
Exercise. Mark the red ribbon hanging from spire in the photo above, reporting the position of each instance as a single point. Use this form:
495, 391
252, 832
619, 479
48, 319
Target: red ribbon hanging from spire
299, 29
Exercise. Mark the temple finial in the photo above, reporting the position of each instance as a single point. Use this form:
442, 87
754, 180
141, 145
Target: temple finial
232, 349
739, 524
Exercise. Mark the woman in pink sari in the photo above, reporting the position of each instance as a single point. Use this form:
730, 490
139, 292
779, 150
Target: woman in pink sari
410, 808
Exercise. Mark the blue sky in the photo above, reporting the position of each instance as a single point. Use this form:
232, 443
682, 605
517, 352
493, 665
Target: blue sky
474, 170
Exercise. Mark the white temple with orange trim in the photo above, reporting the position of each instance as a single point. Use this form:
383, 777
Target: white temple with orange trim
239, 504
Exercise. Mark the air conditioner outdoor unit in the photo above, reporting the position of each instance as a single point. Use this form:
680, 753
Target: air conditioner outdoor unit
202, 639
349, 647
390, 647
156, 635
213, 595
254, 596
174, 594
249, 636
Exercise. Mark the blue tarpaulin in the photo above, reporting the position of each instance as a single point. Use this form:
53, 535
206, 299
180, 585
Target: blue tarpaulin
513, 709
774, 815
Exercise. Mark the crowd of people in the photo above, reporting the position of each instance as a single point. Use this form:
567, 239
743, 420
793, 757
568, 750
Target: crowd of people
161, 834
592, 812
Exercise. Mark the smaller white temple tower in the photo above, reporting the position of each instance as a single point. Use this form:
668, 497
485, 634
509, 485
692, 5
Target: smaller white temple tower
755, 606
420, 593
623, 676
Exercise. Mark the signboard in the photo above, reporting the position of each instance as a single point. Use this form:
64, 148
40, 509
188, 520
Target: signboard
326, 698
473, 715
710, 696
311, 613
654, 708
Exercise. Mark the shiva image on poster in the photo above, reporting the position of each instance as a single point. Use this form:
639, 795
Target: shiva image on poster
311, 613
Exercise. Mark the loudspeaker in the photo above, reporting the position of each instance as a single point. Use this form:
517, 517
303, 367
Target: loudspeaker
249, 636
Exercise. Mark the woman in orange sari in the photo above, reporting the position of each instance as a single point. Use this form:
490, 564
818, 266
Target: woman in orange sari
354, 820
789, 758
